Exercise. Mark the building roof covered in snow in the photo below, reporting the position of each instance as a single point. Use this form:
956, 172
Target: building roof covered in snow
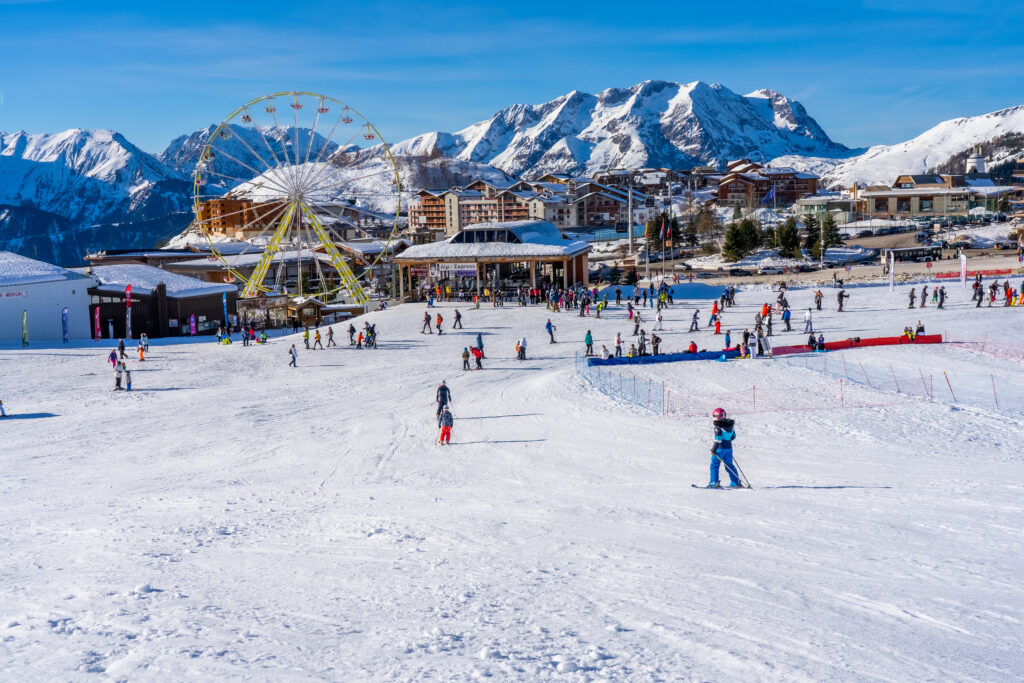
510, 239
144, 280
16, 269
374, 247
248, 260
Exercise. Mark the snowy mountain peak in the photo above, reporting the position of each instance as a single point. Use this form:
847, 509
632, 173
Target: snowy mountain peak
651, 123
933, 148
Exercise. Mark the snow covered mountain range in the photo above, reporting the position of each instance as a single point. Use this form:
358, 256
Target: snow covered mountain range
654, 123
65, 193
931, 149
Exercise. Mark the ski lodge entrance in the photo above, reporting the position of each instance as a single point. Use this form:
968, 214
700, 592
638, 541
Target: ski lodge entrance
487, 257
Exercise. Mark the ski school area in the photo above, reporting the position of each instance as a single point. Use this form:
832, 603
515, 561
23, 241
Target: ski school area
235, 516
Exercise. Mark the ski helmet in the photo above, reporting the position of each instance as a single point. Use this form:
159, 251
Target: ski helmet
718, 413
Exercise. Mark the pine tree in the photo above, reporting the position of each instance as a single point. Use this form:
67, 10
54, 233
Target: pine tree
654, 227
1004, 204
737, 213
735, 247
787, 238
750, 234
831, 230
811, 223
690, 233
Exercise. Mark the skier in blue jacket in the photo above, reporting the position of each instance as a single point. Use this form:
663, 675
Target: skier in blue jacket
721, 452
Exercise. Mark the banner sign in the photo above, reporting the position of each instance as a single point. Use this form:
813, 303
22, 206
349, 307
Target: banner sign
224, 302
64, 324
453, 270
96, 333
24, 328
8, 295
975, 273
963, 271
892, 271
192, 324
128, 312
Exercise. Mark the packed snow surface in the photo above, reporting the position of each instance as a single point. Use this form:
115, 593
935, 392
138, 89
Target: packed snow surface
236, 518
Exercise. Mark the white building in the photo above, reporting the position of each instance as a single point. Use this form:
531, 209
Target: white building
41, 291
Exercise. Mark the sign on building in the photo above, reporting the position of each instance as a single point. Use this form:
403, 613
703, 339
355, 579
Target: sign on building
453, 270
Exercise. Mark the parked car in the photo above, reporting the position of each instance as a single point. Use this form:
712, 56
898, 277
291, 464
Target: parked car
739, 272
769, 270
684, 266
865, 233
960, 244
704, 275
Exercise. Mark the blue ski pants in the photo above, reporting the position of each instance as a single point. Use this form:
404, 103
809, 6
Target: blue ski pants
723, 456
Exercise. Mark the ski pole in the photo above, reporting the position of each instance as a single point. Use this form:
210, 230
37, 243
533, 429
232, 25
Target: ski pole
739, 471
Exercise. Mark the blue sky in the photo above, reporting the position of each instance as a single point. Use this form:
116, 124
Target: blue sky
870, 72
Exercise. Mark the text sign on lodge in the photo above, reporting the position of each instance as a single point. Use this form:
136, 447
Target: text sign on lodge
456, 269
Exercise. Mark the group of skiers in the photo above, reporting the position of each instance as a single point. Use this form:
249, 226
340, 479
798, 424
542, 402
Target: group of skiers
1010, 295
938, 296
121, 371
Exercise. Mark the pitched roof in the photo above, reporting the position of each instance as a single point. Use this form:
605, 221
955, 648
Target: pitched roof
144, 279
16, 269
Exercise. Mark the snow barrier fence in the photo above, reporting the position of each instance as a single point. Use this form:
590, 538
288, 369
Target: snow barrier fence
646, 393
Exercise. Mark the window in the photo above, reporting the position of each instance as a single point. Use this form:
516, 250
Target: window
903, 205
927, 204
881, 205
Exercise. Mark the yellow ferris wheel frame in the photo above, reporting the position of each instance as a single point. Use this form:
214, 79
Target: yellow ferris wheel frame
254, 283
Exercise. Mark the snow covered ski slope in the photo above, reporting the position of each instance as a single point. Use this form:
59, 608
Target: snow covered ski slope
234, 518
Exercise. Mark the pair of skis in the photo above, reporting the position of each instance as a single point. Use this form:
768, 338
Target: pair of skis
722, 488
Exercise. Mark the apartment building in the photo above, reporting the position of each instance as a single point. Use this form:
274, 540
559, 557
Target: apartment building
561, 200
748, 184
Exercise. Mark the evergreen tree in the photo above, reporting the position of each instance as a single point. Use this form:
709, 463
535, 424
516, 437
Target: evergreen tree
1004, 204
737, 213
735, 243
690, 233
750, 235
811, 223
654, 228
831, 230
632, 277
787, 238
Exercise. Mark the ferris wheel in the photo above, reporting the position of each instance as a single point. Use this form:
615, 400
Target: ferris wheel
282, 180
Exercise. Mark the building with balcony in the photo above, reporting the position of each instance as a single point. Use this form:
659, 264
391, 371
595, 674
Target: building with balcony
749, 184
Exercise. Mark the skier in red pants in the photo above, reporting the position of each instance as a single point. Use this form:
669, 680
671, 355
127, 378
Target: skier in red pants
445, 422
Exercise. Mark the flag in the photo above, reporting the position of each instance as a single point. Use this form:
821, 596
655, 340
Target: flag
128, 312
664, 229
24, 328
963, 270
892, 271
192, 324
770, 195
224, 302
96, 333
64, 324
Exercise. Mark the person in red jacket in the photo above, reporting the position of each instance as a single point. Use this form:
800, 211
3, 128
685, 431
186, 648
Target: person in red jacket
477, 354
692, 348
